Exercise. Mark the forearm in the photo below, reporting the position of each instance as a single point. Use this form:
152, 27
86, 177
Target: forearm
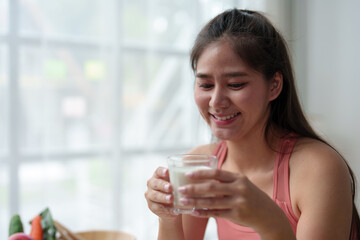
171, 230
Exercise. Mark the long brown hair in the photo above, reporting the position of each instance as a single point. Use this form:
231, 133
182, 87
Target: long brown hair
262, 47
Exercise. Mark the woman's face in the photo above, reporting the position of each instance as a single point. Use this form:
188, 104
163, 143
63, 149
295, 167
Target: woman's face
232, 97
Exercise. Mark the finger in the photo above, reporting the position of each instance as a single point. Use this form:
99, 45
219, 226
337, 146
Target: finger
217, 174
159, 185
161, 209
159, 197
216, 213
219, 203
206, 188
162, 172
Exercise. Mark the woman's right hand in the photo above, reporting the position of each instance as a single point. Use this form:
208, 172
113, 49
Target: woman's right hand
159, 195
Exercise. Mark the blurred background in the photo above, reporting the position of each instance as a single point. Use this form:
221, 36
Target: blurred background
94, 94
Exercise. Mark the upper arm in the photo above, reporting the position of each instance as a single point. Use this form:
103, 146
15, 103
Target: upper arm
322, 187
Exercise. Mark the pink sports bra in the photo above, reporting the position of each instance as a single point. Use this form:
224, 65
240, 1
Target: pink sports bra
281, 194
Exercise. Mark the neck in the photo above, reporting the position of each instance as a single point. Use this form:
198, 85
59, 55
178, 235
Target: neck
252, 154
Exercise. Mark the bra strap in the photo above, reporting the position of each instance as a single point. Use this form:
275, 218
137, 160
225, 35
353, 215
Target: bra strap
281, 169
220, 151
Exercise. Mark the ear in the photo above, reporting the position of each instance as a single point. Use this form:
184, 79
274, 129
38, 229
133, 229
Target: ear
275, 86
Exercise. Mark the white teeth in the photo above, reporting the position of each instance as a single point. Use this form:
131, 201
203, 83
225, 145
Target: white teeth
227, 117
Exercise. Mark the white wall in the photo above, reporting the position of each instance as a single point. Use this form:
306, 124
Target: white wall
326, 53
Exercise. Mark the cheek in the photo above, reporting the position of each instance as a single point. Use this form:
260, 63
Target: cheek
201, 99
243, 99
253, 98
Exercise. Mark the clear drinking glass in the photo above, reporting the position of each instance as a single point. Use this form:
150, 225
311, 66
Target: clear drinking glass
181, 164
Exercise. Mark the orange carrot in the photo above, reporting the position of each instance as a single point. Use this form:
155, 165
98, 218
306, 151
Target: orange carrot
36, 230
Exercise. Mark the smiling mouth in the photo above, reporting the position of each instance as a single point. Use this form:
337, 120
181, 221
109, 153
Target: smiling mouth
226, 117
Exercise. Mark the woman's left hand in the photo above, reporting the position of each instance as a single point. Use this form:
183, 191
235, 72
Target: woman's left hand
234, 197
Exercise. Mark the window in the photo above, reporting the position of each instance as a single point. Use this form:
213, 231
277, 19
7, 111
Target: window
4, 91
3, 16
91, 103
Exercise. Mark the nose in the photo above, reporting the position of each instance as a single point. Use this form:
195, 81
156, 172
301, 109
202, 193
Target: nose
219, 99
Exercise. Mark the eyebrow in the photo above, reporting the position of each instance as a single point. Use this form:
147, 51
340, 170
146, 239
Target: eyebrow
202, 75
235, 74
230, 74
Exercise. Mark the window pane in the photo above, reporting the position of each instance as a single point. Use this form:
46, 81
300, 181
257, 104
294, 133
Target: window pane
211, 8
4, 16
158, 101
3, 99
66, 97
136, 216
80, 18
4, 201
159, 22
77, 192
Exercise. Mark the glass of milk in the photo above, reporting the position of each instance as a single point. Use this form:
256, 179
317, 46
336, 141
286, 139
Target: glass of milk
181, 164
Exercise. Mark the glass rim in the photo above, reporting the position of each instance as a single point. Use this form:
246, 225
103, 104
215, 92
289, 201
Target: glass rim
180, 157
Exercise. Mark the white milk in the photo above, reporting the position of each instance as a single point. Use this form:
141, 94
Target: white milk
177, 179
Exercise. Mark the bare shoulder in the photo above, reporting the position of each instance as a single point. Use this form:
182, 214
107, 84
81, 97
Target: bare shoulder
204, 149
320, 186
313, 156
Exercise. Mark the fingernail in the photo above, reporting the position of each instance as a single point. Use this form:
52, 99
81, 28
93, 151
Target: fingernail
164, 172
182, 189
189, 174
167, 187
168, 198
184, 201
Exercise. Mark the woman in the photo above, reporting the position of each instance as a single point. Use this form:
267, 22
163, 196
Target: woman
276, 178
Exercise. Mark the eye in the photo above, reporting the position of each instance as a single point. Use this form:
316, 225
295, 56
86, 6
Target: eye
236, 85
206, 85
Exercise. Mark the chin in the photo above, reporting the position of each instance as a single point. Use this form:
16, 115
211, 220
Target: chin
224, 135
